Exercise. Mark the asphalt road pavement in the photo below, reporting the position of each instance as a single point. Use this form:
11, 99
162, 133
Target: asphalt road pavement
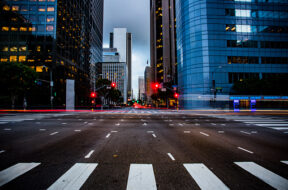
144, 149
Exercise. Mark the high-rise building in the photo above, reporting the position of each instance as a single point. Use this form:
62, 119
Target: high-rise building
116, 72
110, 55
148, 83
221, 42
141, 88
122, 40
65, 40
163, 41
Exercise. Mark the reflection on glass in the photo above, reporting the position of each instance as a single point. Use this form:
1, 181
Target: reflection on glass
243, 28
242, 13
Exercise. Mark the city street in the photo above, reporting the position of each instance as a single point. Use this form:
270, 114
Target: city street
144, 149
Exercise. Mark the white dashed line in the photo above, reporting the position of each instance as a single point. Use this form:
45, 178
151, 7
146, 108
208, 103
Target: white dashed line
89, 154
144, 124
114, 131
64, 123
197, 124
245, 150
53, 133
38, 123
253, 132
117, 124
154, 135
284, 162
1, 151
77, 130
213, 124
187, 131
150, 131
220, 131
108, 135
7, 129
42, 129
245, 132
204, 134
170, 155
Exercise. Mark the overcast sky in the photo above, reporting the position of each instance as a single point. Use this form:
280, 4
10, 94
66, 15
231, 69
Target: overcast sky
133, 15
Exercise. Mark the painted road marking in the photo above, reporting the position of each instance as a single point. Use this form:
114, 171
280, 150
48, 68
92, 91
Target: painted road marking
204, 177
117, 124
114, 131
150, 131
64, 123
204, 134
265, 175
263, 122
276, 125
7, 129
279, 128
220, 131
77, 130
253, 132
144, 124
213, 123
74, 178
89, 154
54, 133
38, 123
154, 135
108, 135
197, 124
245, 132
245, 150
1, 151
42, 129
170, 155
187, 131
285, 162
223, 124
15, 171
141, 177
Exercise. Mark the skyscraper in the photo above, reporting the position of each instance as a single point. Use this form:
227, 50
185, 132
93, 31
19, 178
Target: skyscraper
122, 40
147, 81
163, 41
141, 88
66, 40
222, 42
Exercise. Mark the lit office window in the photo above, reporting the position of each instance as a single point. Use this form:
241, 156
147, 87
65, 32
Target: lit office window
50, 18
41, 9
15, 8
50, 9
5, 28
13, 58
6, 8
243, 28
23, 48
24, 8
14, 29
39, 69
22, 58
244, 0
4, 59
23, 29
242, 13
14, 49
5, 48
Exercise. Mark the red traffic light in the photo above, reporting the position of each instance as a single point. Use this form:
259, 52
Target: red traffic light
113, 84
176, 95
93, 95
156, 85
93, 102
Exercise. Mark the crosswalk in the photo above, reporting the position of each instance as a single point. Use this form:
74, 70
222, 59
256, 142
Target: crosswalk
137, 111
260, 121
142, 176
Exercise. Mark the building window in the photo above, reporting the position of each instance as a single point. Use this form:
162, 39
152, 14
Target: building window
50, 9
5, 48
6, 8
49, 28
242, 60
39, 69
23, 48
242, 43
4, 59
5, 28
41, 9
274, 60
23, 29
13, 58
50, 18
274, 45
15, 8
14, 29
230, 27
242, 13
234, 77
243, 28
14, 49
22, 58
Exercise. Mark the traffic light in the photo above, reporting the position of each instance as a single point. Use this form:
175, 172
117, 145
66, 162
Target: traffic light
93, 95
176, 95
113, 84
156, 86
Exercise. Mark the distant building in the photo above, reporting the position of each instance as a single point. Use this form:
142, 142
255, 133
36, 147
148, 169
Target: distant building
110, 55
147, 83
163, 41
222, 42
66, 39
141, 88
116, 72
122, 41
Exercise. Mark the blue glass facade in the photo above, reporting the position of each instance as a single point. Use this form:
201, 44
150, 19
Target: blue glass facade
223, 41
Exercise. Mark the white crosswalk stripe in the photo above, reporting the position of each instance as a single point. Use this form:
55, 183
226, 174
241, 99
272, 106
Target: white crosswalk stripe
74, 178
15, 171
265, 175
141, 177
205, 179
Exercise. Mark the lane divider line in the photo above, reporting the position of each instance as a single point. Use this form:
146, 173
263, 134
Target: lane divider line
205, 134
53, 133
154, 135
1, 151
89, 154
245, 132
108, 135
171, 156
245, 150
187, 131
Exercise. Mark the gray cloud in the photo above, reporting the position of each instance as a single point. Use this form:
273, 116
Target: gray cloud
133, 15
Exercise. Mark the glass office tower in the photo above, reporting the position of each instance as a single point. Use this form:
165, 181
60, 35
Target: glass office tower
220, 42
65, 40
